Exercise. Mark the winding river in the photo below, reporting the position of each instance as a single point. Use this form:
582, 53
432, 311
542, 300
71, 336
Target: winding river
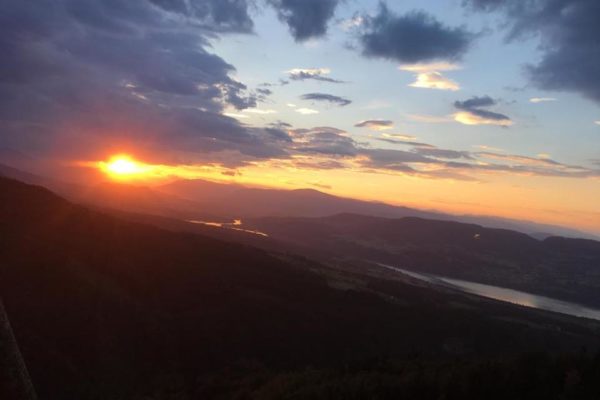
504, 294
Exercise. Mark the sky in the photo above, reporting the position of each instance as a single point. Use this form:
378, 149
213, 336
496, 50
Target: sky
464, 106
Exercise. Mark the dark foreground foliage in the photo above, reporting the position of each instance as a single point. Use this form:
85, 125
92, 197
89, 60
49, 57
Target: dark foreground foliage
529, 376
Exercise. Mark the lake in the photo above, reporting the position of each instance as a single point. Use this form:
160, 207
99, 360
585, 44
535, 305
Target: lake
504, 294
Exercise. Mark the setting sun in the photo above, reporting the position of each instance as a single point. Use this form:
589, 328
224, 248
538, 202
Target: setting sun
123, 166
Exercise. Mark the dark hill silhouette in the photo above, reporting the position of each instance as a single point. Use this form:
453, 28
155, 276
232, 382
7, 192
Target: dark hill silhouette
105, 308
259, 202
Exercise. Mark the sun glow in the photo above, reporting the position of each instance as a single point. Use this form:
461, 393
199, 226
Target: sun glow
123, 166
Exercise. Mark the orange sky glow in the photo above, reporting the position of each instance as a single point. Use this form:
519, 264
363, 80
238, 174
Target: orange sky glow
553, 200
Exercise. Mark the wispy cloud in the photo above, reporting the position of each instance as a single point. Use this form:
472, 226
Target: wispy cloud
332, 148
398, 136
487, 148
327, 98
469, 118
474, 112
428, 75
306, 111
427, 67
375, 124
351, 23
434, 80
235, 115
317, 74
542, 99
261, 111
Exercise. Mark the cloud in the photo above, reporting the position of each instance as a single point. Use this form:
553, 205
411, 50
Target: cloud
260, 111
280, 125
415, 37
402, 142
324, 140
597, 122
428, 67
474, 113
470, 118
375, 124
352, 23
487, 148
218, 15
306, 19
394, 138
317, 74
541, 99
235, 115
434, 80
568, 32
86, 75
397, 160
306, 111
443, 153
398, 136
263, 93
427, 75
332, 148
326, 97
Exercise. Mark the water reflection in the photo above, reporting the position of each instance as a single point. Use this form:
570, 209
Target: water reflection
504, 294
235, 225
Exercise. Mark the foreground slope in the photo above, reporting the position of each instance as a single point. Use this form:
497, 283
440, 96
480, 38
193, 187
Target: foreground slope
104, 308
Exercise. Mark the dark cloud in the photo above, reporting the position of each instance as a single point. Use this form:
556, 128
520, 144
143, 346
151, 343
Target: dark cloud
326, 141
387, 157
568, 31
475, 102
278, 134
411, 38
326, 97
474, 106
264, 92
392, 140
280, 125
306, 18
216, 15
375, 124
316, 74
328, 164
443, 153
81, 76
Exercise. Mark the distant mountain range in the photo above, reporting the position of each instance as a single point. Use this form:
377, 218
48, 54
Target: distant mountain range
210, 201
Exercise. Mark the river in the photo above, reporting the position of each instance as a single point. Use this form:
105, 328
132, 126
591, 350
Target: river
504, 294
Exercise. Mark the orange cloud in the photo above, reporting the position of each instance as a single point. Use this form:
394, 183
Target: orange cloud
468, 118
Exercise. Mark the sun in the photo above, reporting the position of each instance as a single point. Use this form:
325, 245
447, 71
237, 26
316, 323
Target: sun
123, 166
